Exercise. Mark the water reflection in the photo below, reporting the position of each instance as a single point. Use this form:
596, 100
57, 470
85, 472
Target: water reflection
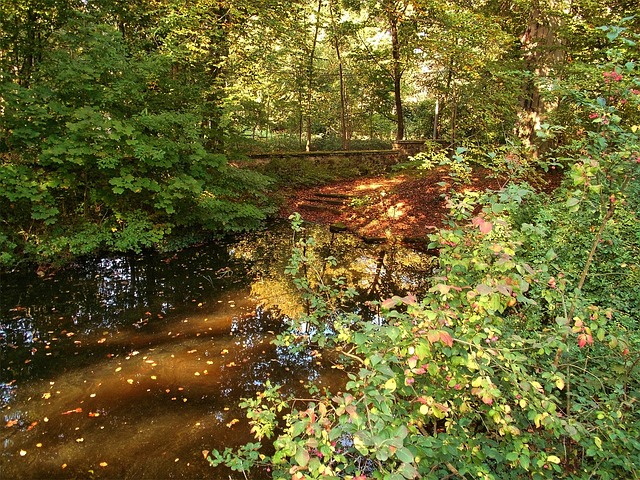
129, 367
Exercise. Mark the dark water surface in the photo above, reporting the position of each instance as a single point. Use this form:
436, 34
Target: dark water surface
129, 367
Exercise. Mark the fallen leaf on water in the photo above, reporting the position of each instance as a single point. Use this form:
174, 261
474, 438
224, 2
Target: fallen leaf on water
11, 423
46, 395
103, 464
223, 352
232, 423
197, 374
205, 453
231, 364
46, 419
92, 395
192, 351
209, 362
153, 377
30, 427
23, 453
64, 465
75, 410
102, 340
94, 414
39, 445
130, 381
80, 440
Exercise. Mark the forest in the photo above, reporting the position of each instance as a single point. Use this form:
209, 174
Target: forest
130, 126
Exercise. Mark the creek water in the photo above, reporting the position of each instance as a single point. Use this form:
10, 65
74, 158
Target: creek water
132, 366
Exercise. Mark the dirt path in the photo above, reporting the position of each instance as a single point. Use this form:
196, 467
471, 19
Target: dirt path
408, 206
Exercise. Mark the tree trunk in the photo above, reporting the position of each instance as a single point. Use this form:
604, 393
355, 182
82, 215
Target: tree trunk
310, 74
436, 119
343, 93
397, 74
542, 50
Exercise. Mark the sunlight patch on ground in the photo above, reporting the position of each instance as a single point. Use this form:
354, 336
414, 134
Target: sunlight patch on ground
379, 184
396, 211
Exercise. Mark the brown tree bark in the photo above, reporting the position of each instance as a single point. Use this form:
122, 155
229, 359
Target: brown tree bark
542, 51
396, 72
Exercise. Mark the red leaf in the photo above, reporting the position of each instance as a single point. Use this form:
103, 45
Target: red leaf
75, 410
484, 226
582, 340
446, 338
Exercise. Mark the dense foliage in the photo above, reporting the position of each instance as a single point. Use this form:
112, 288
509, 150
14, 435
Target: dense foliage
110, 141
118, 119
522, 360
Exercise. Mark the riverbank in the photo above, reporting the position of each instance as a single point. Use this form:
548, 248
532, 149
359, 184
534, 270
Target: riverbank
409, 206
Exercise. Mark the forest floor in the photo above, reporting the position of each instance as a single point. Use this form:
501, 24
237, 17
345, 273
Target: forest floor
409, 206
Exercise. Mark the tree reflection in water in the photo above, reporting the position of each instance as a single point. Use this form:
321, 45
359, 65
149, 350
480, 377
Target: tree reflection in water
128, 367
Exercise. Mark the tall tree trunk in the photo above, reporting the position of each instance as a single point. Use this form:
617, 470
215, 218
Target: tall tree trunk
397, 73
436, 119
542, 51
310, 74
343, 93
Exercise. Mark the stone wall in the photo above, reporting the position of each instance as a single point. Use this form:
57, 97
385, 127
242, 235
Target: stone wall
363, 158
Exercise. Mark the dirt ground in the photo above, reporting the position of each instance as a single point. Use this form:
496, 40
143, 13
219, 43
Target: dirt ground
407, 206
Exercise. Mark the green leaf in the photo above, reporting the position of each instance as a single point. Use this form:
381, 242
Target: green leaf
302, 456
404, 455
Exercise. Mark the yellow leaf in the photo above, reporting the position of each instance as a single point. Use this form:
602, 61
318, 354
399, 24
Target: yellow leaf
390, 384
118, 369
46, 395
205, 453
560, 383
103, 464
232, 423
598, 442
553, 459
23, 453
130, 381
424, 409
153, 377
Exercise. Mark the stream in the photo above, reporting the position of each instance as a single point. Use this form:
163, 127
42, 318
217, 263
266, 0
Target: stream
129, 367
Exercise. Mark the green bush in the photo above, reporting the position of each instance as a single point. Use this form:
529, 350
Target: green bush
521, 361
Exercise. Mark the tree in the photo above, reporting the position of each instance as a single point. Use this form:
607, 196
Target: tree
117, 145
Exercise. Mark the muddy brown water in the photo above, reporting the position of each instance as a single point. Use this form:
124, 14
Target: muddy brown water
130, 367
